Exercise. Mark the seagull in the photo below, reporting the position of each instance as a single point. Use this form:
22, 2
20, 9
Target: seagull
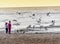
48, 14
33, 14
18, 13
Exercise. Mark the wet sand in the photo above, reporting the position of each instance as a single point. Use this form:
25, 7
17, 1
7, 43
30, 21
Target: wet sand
29, 38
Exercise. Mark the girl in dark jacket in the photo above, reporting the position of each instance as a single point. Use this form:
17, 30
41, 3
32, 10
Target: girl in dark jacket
6, 27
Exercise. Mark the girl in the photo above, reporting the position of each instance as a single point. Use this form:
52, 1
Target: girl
6, 27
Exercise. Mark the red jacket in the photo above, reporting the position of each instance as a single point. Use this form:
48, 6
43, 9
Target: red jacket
9, 25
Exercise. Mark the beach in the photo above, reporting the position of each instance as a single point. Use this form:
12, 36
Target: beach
41, 25
17, 38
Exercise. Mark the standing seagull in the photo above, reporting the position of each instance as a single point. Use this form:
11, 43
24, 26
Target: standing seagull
48, 14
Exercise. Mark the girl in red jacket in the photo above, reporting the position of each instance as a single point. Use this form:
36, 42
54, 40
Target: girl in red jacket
9, 27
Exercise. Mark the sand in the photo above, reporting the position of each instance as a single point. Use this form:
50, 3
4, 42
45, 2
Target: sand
18, 38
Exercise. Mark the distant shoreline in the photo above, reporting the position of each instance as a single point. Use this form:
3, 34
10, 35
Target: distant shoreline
33, 8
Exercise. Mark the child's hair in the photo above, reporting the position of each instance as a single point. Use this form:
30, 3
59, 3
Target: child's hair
10, 21
6, 23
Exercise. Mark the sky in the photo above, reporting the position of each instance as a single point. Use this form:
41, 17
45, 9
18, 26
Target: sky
28, 3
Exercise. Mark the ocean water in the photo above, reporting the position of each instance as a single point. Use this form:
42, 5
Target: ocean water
23, 20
